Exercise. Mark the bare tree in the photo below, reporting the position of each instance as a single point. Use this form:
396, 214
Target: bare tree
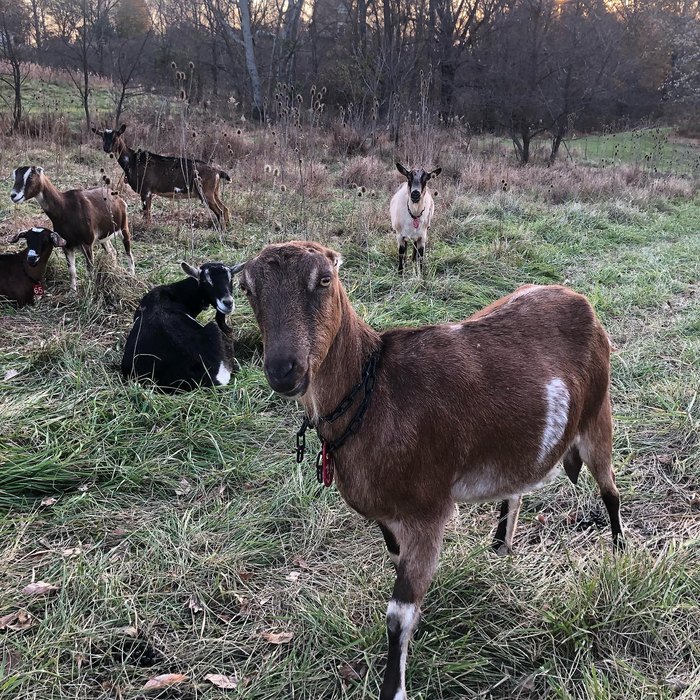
14, 31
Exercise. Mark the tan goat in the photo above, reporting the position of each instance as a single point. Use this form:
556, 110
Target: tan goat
475, 411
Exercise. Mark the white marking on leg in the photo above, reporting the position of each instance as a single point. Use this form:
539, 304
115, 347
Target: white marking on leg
70, 259
511, 524
405, 615
223, 376
557, 416
177, 190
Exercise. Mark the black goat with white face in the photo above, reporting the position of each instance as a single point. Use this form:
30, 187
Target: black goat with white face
169, 347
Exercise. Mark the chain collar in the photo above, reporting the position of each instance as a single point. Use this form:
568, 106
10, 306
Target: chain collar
413, 216
324, 459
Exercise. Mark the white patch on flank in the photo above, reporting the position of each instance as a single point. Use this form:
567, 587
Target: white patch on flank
223, 375
177, 189
406, 615
557, 416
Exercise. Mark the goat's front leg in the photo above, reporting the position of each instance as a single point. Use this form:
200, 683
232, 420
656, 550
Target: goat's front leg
70, 260
402, 254
421, 255
146, 200
420, 548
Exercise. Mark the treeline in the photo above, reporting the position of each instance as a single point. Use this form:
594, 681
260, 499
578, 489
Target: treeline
521, 67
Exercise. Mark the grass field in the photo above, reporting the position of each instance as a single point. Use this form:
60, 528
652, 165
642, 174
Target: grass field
183, 533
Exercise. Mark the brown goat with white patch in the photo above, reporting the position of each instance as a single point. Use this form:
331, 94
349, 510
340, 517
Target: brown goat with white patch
167, 176
22, 274
82, 217
476, 411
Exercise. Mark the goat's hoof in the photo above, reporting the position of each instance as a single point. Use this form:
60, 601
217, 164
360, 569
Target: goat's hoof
501, 549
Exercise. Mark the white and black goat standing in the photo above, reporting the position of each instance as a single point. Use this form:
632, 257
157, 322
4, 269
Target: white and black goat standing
411, 212
168, 346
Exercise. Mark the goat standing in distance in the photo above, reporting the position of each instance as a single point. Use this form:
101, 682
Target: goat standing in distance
176, 178
486, 413
22, 274
80, 216
411, 211
169, 346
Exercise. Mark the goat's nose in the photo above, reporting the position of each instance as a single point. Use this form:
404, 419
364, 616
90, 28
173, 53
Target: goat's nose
32, 259
225, 305
281, 373
415, 195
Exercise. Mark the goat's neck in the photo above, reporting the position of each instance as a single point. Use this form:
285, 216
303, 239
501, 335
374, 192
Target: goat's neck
341, 369
126, 157
49, 198
417, 208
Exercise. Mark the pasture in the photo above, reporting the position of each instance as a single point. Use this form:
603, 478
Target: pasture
185, 539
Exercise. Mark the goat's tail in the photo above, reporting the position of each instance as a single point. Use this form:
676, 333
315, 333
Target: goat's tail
224, 176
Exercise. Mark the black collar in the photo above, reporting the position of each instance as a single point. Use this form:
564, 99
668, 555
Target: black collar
330, 446
413, 216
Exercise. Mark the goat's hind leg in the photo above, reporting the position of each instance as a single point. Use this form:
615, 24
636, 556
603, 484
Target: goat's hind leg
595, 447
507, 523
391, 543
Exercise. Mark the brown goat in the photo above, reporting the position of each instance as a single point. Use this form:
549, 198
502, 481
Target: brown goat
476, 411
176, 178
82, 217
22, 274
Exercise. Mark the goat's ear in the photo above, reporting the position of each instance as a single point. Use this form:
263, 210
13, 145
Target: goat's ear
57, 240
402, 170
189, 270
235, 269
434, 173
17, 236
335, 258
122, 129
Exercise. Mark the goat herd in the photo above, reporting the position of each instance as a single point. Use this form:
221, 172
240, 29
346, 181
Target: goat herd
411, 420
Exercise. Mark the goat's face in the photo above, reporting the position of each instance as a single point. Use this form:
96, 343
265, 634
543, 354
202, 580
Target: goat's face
40, 241
215, 283
417, 180
112, 141
27, 183
296, 298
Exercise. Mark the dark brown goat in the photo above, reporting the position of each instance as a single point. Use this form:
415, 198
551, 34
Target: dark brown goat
22, 274
475, 411
166, 176
82, 217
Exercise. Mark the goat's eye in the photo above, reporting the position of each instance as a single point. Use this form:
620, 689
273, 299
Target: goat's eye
325, 281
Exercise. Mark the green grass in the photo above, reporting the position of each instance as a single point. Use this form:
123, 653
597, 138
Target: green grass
162, 498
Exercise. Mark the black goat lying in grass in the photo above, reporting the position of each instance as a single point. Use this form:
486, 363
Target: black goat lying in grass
169, 347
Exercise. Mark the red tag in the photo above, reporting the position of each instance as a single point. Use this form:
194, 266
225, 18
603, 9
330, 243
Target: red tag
416, 223
38, 289
326, 465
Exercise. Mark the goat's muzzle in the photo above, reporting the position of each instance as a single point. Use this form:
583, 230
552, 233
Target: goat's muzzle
16, 197
32, 259
286, 376
415, 196
225, 305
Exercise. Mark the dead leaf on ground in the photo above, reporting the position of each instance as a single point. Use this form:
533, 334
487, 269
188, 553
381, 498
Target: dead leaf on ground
165, 681
40, 588
17, 621
352, 672
195, 604
278, 637
184, 487
293, 576
221, 681
11, 374
49, 501
301, 563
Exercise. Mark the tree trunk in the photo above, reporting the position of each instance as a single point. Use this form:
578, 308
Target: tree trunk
251, 64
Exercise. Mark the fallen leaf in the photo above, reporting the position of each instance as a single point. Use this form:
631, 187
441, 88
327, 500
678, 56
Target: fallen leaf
195, 604
17, 621
293, 576
221, 681
40, 588
165, 681
11, 374
184, 487
301, 563
245, 575
49, 501
278, 637
542, 518
352, 672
